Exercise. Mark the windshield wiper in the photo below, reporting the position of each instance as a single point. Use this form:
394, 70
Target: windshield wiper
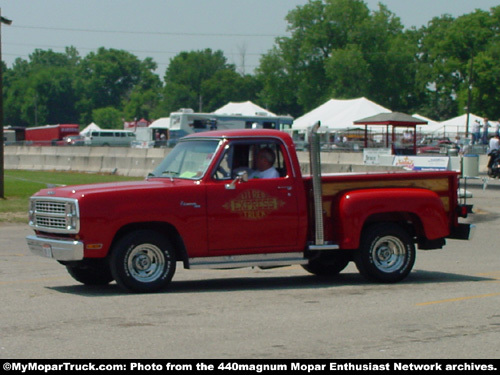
171, 174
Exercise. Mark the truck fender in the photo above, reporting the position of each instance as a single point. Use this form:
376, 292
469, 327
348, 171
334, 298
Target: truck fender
353, 209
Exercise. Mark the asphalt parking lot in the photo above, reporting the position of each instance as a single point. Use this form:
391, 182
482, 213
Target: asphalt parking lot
446, 308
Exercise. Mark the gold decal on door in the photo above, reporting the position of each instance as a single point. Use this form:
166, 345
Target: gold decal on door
253, 204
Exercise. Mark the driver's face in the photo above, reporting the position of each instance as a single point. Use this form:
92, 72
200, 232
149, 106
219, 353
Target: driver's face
262, 163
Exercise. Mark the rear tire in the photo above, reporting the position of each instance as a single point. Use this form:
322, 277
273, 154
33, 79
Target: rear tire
143, 261
386, 253
328, 265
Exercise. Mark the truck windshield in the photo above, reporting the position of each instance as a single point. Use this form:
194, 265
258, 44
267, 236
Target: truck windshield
188, 160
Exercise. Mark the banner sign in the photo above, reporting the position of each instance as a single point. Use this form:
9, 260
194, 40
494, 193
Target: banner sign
372, 155
422, 163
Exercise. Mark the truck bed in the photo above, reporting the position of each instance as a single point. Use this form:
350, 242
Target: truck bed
441, 182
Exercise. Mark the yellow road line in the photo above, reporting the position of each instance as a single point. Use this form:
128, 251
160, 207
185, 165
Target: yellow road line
490, 274
458, 299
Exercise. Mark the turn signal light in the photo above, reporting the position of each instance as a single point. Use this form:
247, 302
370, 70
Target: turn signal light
464, 210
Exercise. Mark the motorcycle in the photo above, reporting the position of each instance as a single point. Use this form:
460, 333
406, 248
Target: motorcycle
494, 164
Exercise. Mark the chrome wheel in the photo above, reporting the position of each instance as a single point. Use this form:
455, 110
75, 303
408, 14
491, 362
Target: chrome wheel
146, 263
143, 261
389, 254
386, 253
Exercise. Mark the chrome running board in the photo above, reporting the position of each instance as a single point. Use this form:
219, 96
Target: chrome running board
248, 260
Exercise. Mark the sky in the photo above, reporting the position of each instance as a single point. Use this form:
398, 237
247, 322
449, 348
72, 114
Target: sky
161, 29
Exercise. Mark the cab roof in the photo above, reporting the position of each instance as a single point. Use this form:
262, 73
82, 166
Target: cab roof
242, 133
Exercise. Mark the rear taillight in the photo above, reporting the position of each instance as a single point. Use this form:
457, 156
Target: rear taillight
464, 210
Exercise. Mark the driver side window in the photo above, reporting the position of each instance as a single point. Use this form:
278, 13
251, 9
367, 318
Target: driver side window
244, 157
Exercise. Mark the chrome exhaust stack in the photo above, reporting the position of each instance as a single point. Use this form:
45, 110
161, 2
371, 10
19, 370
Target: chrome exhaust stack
315, 162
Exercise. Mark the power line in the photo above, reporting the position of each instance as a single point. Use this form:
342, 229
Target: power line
94, 48
159, 63
135, 32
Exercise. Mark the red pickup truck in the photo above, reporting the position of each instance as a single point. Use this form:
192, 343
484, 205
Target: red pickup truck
201, 207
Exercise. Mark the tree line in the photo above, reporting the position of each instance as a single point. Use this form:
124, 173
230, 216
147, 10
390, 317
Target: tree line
333, 49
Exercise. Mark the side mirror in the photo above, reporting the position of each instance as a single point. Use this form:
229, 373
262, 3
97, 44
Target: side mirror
241, 177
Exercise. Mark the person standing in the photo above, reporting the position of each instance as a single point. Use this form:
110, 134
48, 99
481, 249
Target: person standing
493, 148
476, 126
494, 144
485, 131
495, 128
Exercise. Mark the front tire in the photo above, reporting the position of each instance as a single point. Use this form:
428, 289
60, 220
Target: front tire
143, 261
91, 273
386, 254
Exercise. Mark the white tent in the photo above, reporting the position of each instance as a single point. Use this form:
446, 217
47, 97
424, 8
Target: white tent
431, 127
90, 127
339, 114
161, 123
243, 108
457, 125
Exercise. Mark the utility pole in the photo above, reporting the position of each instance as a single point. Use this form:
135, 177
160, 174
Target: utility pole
469, 94
2, 192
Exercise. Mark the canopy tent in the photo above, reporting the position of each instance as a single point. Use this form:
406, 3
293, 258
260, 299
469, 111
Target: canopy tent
458, 125
394, 119
431, 126
161, 123
339, 113
243, 108
90, 127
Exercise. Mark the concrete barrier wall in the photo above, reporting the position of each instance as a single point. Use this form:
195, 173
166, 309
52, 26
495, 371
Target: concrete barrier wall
139, 162
120, 160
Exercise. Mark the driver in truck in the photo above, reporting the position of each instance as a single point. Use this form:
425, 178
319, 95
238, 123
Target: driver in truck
265, 164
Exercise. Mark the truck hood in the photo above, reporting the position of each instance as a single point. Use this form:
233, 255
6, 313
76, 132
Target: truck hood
80, 191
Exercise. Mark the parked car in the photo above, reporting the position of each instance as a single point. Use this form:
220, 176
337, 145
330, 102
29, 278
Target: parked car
110, 138
434, 146
74, 140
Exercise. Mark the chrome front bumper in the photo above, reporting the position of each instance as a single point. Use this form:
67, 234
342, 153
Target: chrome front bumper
55, 249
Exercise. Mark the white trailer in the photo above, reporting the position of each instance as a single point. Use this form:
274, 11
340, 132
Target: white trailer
186, 121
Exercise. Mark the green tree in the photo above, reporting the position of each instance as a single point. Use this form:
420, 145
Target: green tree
389, 56
186, 75
486, 86
108, 118
227, 85
338, 48
349, 73
447, 48
278, 84
317, 29
41, 91
106, 79
145, 95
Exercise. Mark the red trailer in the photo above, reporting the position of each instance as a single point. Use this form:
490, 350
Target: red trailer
50, 134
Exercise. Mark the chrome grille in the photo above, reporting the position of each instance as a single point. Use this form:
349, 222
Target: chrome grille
50, 207
55, 215
50, 222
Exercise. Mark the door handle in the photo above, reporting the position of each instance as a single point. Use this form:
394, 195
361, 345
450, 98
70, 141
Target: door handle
191, 204
289, 188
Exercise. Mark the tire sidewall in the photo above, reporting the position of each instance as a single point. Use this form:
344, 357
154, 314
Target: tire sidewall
122, 252
97, 274
366, 262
